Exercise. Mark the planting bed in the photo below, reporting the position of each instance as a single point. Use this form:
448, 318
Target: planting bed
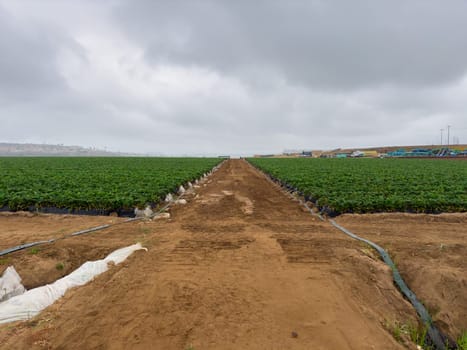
95, 185
374, 185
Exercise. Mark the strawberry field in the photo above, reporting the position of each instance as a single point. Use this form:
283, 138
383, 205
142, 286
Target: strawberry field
374, 185
104, 184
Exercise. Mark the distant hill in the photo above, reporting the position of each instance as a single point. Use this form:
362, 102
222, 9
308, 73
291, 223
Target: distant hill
31, 149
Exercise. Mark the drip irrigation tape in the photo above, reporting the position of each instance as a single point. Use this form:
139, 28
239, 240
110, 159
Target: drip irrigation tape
434, 334
24, 246
90, 230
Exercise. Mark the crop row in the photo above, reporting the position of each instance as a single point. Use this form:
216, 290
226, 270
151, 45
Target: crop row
374, 185
94, 183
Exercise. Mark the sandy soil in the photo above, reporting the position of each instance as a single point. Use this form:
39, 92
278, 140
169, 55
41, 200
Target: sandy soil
431, 253
241, 266
23, 227
46, 263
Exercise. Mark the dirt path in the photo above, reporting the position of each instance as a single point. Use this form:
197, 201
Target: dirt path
240, 266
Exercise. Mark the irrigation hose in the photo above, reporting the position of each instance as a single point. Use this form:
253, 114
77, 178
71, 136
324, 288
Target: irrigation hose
433, 333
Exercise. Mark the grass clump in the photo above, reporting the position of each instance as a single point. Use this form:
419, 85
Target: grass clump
462, 341
34, 251
408, 331
418, 334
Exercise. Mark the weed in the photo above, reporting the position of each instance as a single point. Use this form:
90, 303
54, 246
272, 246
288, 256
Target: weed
60, 266
397, 330
34, 251
4, 261
416, 333
462, 341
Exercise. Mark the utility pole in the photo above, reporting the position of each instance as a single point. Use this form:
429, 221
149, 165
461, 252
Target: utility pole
449, 126
441, 136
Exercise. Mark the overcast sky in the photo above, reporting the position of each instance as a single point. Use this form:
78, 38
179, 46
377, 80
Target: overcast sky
233, 77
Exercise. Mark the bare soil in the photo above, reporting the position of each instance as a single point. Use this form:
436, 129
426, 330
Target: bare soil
240, 266
24, 227
43, 264
430, 251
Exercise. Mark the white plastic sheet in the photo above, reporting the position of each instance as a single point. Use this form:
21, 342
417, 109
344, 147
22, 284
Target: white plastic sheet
30, 303
169, 198
146, 213
10, 284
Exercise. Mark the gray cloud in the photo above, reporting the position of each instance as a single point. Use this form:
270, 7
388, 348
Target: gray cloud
192, 77
27, 60
332, 44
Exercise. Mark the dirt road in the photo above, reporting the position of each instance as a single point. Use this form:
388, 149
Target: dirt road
241, 266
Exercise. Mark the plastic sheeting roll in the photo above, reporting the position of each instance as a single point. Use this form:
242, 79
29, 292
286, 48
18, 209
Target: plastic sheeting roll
30, 303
